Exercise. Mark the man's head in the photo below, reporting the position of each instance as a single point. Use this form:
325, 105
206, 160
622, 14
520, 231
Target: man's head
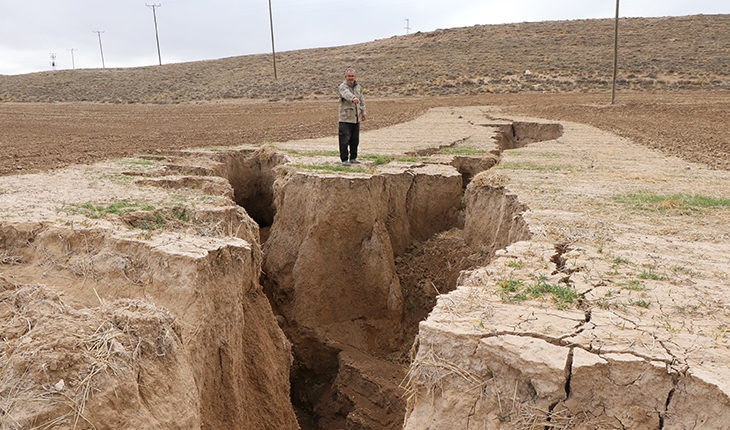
350, 76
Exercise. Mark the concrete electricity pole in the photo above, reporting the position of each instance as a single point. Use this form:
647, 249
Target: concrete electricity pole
408, 26
98, 33
73, 64
157, 37
53, 60
615, 57
273, 51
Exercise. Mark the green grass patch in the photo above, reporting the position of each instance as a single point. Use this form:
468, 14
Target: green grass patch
511, 290
561, 295
651, 274
641, 303
378, 159
618, 261
684, 204
516, 264
121, 207
633, 285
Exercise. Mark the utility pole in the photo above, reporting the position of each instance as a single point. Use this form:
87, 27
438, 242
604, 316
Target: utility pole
53, 60
157, 37
73, 64
408, 26
615, 57
98, 33
273, 51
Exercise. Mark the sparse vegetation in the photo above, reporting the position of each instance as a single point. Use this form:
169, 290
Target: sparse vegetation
684, 204
633, 285
378, 159
618, 261
641, 303
513, 290
649, 273
516, 264
93, 210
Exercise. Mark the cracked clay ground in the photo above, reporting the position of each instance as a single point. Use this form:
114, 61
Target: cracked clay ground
650, 281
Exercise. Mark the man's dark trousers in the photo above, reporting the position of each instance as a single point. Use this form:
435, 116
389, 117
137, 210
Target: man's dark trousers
349, 137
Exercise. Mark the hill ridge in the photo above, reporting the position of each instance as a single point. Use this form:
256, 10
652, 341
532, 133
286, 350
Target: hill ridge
676, 53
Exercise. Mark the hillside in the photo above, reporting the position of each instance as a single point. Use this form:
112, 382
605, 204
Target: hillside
681, 53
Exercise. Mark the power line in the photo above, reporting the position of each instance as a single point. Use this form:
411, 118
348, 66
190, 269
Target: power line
157, 37
98, 33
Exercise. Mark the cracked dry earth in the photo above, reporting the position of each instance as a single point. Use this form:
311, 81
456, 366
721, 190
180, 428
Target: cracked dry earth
598, 310
643, 344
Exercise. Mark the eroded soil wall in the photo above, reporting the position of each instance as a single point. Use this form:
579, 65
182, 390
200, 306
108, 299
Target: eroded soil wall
238, 356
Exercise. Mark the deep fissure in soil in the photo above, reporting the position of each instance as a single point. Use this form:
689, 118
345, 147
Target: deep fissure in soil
353, 264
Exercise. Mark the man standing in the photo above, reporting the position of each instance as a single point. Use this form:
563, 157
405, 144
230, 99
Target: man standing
352, 111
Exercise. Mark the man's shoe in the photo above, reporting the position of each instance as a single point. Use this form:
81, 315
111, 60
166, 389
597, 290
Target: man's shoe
346, 163
354, 161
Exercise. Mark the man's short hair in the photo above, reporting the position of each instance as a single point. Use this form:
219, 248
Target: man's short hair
350, 69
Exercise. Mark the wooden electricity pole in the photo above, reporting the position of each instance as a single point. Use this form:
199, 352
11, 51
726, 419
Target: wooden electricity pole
98, 33
273, 51
157, 37
615, 57
73, 63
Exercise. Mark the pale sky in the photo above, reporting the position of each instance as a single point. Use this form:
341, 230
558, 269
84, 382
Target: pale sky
192, 30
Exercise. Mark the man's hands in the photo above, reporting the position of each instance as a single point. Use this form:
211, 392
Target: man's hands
357, 102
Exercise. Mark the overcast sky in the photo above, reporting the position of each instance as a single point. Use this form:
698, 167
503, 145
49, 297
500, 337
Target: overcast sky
191, 30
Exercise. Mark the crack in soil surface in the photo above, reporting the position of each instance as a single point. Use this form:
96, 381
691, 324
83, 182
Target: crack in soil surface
622, 263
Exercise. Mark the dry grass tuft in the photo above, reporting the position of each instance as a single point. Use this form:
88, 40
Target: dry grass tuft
490, 178
40, 330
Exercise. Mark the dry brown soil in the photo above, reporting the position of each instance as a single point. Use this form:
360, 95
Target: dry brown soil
673, 96
36, 136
